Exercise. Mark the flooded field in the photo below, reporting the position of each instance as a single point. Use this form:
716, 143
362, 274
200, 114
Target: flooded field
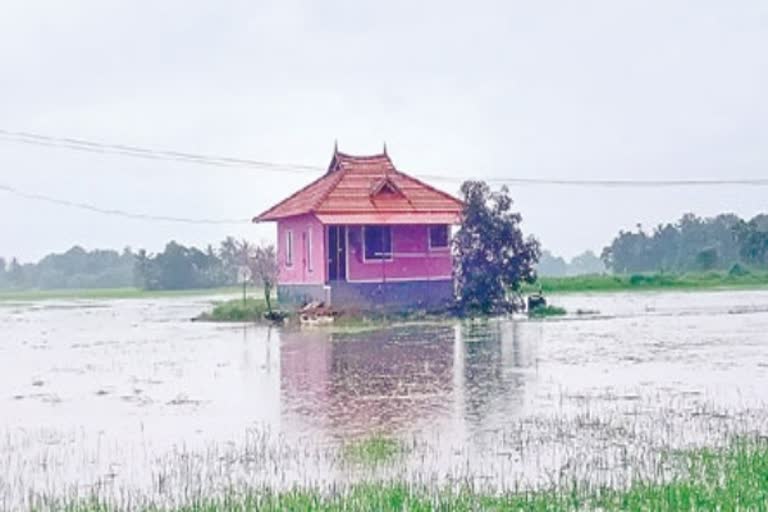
129, 400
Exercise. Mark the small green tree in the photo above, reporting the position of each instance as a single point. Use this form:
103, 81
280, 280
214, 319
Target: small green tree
493, 258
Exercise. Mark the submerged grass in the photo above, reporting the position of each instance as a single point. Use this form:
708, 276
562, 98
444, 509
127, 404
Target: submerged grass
657, 281
731, 478
372, 450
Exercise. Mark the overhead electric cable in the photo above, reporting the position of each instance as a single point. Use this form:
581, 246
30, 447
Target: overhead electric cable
148, 153
224, 161
115, 212
759, 182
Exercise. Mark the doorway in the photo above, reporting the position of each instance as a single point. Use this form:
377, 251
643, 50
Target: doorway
337, 253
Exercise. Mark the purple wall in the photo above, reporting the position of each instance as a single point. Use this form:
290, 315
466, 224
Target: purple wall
304, 269
412, 259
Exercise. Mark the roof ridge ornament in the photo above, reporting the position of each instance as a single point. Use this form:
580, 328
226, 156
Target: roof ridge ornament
350, 187
386, 185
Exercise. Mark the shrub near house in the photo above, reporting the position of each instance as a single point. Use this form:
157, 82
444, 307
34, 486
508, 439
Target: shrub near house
493, 257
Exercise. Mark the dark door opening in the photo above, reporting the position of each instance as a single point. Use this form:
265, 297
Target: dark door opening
337, 253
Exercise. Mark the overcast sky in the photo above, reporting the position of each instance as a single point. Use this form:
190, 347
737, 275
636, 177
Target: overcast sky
604, 90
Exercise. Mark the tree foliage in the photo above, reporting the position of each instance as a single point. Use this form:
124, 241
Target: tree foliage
551, 265
176, 267
75, 268
180, 267
493, 258
691, 244
583, 264
753, 240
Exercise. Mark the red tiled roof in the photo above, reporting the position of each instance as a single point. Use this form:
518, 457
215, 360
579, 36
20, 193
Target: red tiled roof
390, 218
366, 185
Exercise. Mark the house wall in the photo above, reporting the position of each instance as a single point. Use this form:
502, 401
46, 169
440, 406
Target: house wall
392, 295
412, 260
303, 293
299, 272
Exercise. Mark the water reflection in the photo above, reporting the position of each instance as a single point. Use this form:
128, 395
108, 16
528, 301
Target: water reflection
93, 391
403, 379
499, 365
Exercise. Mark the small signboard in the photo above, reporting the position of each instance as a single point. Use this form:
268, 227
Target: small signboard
244, 274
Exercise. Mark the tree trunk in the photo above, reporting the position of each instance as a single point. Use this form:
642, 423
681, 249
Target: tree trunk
267, 294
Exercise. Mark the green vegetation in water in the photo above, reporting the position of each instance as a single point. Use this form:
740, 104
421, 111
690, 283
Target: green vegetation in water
737, 277
372, 450
108, 293
732, 478
237, 310
546, 311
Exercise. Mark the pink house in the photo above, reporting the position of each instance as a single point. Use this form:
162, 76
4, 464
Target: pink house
364, 235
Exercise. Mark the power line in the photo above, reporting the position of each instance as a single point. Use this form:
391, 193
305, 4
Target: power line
115, 212
759, 182
222, 161
225, 161
90, 146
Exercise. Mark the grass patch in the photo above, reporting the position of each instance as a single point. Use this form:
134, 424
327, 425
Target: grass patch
108, 293
372, 450
235, 310
741, 278
732, 478
546, 311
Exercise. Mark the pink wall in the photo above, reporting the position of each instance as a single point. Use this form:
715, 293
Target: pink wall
303, 227
412, 259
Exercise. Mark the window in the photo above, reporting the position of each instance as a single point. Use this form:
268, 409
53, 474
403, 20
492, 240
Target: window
309, 249
377, 242
288, 248
438, 237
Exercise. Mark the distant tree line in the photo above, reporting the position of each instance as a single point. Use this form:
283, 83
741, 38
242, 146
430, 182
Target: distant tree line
691, 244
555, 266
724, 242
76, 268
177, 267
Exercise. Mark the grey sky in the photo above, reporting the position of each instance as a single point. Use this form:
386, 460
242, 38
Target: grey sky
653, 89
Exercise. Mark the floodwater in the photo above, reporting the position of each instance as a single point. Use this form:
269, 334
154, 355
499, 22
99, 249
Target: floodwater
130, 398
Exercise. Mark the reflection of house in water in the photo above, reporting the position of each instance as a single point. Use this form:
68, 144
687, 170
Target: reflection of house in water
403, 378
497, 365
377, 380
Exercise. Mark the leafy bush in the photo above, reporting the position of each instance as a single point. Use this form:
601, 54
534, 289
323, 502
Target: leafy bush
236, 311
493, 257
